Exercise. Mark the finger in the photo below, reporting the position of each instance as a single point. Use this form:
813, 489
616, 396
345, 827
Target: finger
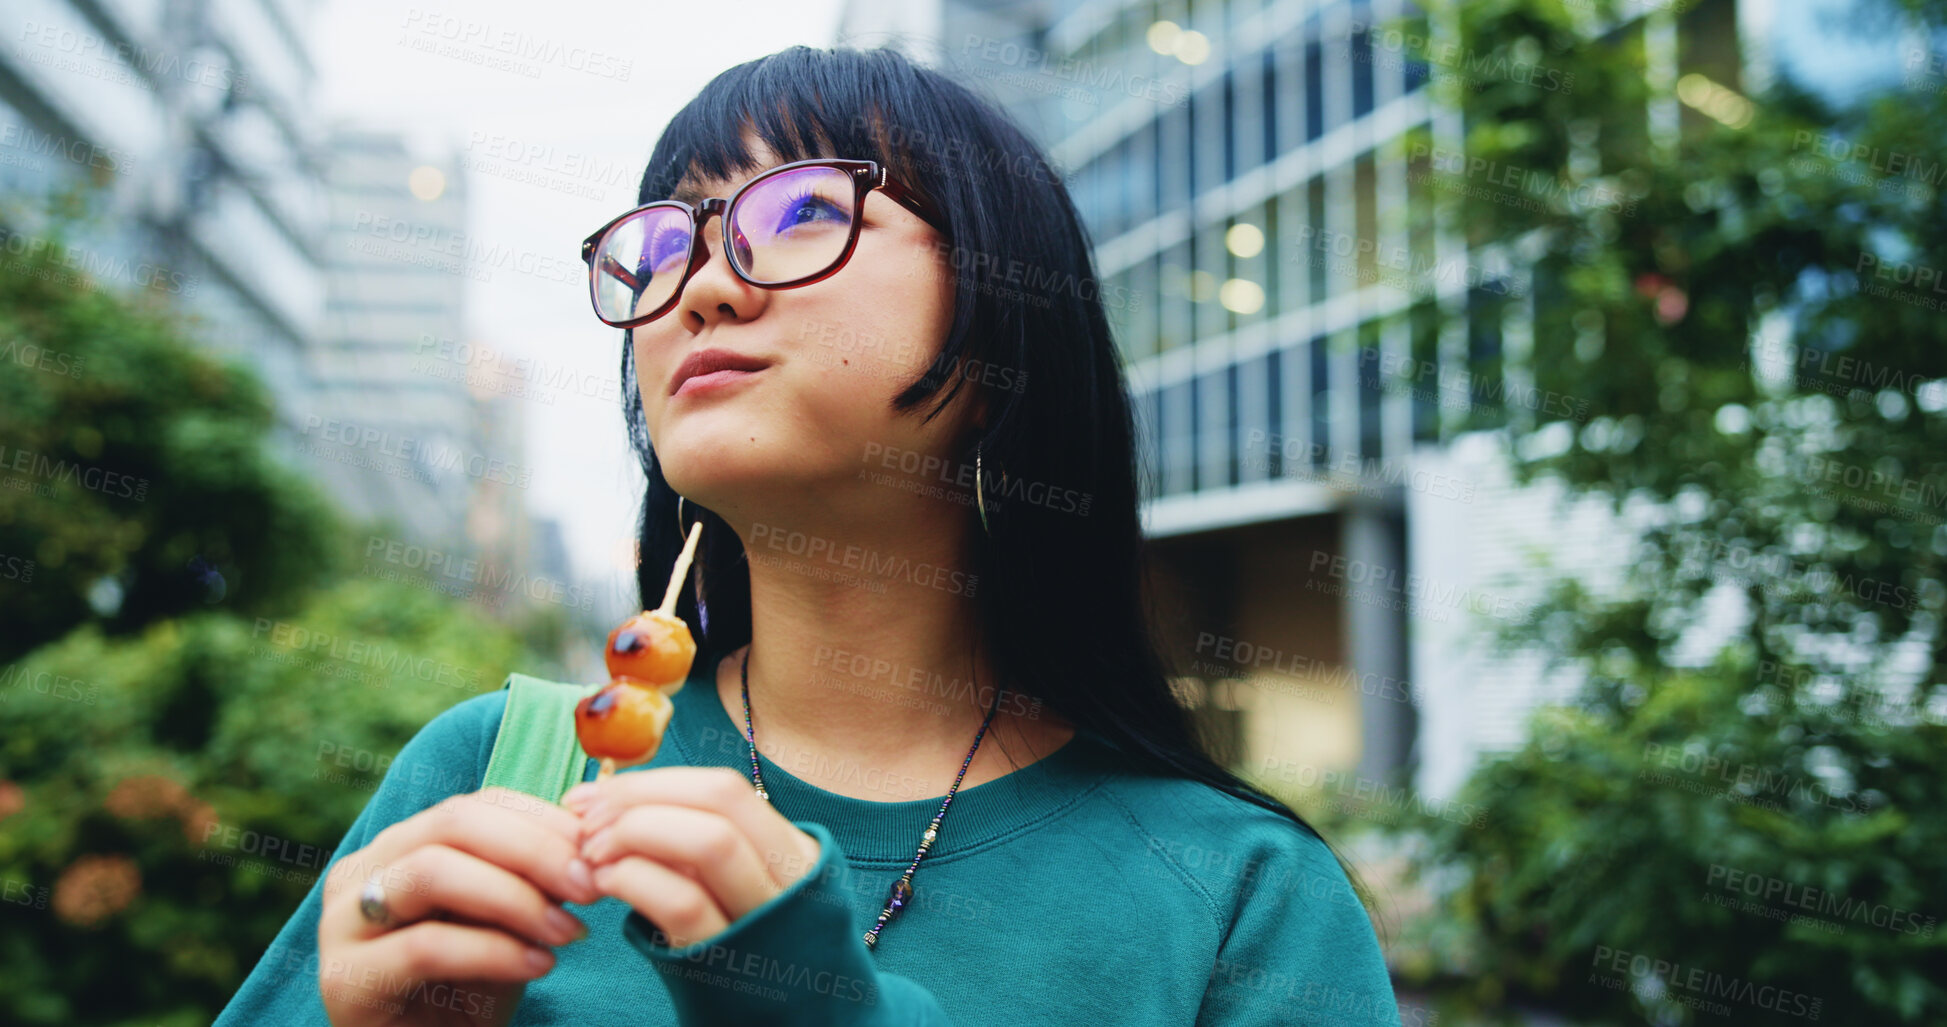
464, 884
700, 845
678, 905
501, 836
437, 951
720, 790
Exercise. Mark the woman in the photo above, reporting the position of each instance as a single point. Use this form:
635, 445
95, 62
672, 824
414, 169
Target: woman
951, 784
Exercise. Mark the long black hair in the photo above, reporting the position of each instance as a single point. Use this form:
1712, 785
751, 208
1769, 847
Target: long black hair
1061, 582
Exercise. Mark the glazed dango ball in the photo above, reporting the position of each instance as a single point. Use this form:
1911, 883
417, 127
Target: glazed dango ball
652, 647
623, 722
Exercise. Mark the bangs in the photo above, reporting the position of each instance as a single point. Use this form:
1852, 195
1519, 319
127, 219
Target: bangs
800, 106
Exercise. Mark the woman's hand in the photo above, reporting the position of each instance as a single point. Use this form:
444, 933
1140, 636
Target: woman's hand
473, 890
690, 848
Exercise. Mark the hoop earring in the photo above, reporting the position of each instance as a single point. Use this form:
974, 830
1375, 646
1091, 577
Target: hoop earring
696, 571
980, 502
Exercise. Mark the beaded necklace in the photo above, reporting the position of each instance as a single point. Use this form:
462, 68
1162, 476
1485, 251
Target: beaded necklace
902, 889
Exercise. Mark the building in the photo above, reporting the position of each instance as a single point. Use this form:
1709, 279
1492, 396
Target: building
1259, 179
335, 262
194, 120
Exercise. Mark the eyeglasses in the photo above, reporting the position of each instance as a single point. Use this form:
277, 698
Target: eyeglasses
790, 226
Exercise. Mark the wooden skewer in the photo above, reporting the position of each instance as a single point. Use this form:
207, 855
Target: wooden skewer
682, 570
668, 607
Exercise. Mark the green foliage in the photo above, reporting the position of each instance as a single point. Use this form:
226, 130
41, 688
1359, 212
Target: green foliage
1743, 312
164, 748
128, 454
1692, 832
174, 771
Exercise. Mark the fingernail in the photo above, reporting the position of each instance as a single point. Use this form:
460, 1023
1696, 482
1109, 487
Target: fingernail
578, 794
580, 876
595, 812
563, 924
595, 846
539, 960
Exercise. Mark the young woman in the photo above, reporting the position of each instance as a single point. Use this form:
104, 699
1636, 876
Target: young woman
927, 768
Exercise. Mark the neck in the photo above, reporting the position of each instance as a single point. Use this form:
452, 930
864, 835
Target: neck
868, 653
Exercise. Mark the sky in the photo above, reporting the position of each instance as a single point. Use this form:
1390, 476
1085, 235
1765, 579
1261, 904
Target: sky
556, 106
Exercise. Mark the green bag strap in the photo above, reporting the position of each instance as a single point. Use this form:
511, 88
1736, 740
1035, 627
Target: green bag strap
536, 750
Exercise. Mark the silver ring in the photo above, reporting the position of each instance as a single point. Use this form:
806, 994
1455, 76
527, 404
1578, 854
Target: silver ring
371, 903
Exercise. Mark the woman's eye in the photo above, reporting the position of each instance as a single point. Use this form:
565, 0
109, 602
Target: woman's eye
665, 247
808, 210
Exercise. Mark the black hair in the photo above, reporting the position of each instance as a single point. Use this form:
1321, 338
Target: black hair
1061, 584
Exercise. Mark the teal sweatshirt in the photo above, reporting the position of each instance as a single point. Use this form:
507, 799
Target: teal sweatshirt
1077, 887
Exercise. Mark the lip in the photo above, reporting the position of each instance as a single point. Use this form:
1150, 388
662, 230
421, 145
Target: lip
708, 368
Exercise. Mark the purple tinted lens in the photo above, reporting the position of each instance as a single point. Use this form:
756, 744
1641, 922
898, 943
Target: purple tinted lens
640, 262
793, 225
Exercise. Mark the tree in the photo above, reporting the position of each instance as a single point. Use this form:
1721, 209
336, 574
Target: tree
1749, 310
135, 484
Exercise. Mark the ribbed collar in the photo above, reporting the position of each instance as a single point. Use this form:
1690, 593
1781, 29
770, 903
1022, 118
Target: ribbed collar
889, 832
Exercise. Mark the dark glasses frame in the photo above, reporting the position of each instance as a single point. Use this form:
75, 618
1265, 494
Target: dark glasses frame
866, 175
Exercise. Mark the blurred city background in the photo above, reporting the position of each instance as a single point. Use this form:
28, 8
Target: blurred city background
1543, 407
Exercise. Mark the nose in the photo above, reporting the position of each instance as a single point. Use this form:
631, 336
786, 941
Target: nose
714, 293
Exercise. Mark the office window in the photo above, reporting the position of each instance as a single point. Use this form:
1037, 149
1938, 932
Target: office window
1268, 116
1360, 53
1372, 393
1174, 289
1230, 124
1414, 69
1317, 254
1179, 453
1483, 380
1233, 442
1274, 413
1424, 346
1314, 84
1321, 401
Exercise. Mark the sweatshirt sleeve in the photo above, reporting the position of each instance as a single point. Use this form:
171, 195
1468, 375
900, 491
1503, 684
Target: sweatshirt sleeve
1301, 951
798, 960
443, 759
